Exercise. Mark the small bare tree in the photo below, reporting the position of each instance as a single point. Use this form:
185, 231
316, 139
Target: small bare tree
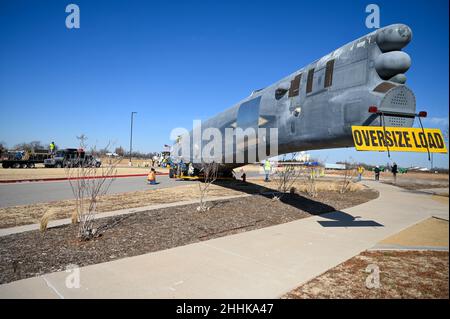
88, 183
309, 175
285, 176
209, 170
349, 174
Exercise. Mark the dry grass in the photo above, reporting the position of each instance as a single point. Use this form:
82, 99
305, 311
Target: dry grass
403, 274
321, 185
48, 215
31, 214
431, 232
42, 172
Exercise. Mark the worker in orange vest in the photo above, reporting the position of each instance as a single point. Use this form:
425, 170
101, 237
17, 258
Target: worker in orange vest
151, 178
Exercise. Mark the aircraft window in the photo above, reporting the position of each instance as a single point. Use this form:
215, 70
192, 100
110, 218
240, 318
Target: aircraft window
309, 82
279, 93
295, 86
329, 73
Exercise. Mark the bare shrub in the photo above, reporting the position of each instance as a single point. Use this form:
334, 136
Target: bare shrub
309, 175
209, 172
88, 183
285, 176
349, 174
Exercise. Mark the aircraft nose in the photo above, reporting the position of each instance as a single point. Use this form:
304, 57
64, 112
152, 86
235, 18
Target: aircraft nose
394, 37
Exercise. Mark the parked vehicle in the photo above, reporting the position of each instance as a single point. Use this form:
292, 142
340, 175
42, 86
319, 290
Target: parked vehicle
24, 159
72, 157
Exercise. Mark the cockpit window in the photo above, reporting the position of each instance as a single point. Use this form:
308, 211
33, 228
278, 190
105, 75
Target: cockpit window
309, 82
294, 89
329, 74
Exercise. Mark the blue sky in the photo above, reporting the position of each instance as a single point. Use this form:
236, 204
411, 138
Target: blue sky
175, 61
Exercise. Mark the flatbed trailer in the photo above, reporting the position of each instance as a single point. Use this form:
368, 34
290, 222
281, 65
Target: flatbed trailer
24, 159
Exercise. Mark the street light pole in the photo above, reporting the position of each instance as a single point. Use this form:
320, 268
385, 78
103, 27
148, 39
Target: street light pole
131, 136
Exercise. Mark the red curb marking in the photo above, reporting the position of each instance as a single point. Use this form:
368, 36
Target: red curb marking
53, 179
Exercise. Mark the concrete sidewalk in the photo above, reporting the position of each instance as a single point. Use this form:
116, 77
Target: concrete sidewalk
264, 263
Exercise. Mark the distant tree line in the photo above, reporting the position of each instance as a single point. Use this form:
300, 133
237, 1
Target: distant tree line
120, 151
26, 146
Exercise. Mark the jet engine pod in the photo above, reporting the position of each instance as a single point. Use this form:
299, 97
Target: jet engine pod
392, 63
394, 37
399, 78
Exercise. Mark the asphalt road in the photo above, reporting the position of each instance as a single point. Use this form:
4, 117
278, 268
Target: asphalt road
43, 192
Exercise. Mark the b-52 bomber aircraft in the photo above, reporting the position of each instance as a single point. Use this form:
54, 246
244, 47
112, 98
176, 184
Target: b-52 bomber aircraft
360, 84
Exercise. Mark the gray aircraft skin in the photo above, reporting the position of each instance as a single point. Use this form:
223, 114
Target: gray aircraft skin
316, 106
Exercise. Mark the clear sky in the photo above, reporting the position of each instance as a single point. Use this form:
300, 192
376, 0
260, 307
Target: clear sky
175, 61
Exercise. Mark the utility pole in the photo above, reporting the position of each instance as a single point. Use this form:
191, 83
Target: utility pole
432, 164
131, 136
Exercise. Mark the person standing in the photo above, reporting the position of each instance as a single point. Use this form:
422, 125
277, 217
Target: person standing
377, 173
243, 175
52, 148
151, 178
394, 171
267, 168
360, 172
191, 169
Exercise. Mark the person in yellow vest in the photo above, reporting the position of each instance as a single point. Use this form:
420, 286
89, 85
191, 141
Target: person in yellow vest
52, 148
360, 172
151, 178
267, 168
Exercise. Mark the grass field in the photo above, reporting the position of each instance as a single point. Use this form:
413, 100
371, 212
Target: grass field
30, 214
42, 172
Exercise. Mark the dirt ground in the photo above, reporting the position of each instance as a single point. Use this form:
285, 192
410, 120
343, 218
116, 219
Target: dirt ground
31, 214
33, 253
402, 274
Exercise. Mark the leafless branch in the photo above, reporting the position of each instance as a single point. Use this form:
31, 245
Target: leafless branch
285, 176
88, 183
209, 172
349, 174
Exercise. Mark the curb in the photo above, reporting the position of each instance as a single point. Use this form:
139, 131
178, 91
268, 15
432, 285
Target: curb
54, 179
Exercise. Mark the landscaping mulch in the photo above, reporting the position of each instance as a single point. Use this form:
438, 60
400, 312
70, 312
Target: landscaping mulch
34, 253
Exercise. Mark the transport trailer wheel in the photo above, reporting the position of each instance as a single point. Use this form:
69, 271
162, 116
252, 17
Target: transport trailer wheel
6, 165
16, 165
30, 165
58, 165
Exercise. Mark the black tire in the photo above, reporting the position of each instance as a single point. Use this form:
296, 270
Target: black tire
59, 165
5, 165
15, 165
98, 165
171, 173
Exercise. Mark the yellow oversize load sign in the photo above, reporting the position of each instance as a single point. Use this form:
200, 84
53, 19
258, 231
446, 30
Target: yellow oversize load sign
402, 139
